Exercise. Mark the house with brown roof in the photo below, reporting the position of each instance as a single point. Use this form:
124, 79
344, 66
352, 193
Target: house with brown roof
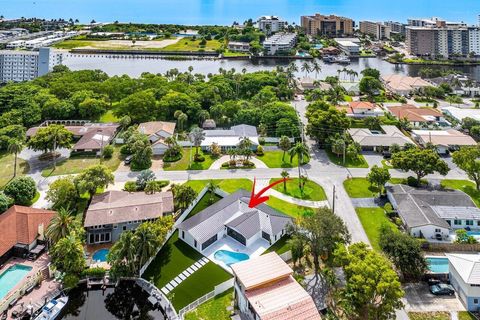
114, 212
90, 137
265, 289
419, 117
361, 109
443, 140
20, 228
157, 132
404, 85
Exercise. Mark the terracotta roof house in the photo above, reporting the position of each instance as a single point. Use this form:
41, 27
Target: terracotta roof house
113, 212
232, 217
20, 227
372, 139
404, 85
431, 214
265, 289
444, 140
419, 117
361, 109
157, 132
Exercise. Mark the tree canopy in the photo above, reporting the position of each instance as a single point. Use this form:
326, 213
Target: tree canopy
420, 161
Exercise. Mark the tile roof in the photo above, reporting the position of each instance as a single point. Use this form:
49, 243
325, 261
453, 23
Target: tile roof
399, 82
362, 105
233, 211
153, 127
467, 266
414, 114
450, 137
21, 224
122, 206
420, 207
366, 138
95, 137
272, 291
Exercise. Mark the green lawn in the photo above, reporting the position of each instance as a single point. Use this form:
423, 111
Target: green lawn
386, 164
72, 44
174, 257
359, 188
281, 246
184, 162
227, 185
273, 159
77, 163
35, 198
7, 161
203, 203
349, 163
312, 191
213, 309
438, 315
198, 284
289, 208
372, 219
463, 185
187, 44
108, 117
465, 315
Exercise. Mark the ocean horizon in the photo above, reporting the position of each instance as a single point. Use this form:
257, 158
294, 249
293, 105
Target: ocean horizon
225, 12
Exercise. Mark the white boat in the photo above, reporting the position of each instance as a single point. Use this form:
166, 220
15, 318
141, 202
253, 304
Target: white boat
342, 60
52, 309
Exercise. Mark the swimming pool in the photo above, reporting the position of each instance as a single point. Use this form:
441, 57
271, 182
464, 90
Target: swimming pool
100, 255
474, 233
230, 257
437, 265
11, 277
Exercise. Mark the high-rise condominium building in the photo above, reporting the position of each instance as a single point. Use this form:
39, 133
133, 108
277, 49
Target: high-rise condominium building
20, 66
332, 26
376, 29
396, 27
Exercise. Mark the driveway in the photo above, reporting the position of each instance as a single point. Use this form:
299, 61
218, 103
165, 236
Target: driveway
373, 158
419, 298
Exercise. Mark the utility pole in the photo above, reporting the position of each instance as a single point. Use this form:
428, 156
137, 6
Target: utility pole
333, 203
344, 146
100, 131
54, 155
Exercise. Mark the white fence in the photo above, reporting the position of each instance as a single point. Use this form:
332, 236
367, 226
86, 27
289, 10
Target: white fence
222, 287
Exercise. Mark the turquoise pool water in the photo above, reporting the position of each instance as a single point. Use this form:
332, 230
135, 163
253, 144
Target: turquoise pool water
100, 255
230, 257
474, 233
437, 265
11, 277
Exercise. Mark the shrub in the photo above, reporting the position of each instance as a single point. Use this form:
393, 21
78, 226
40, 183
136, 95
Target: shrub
5, 202
125, 150
248, 164
156, 186
259, 151
22, 190
198, 158
412, 181
261, 140
130, 186
144, 177
70, 281
94, 272
398, 221
108, 152
232, 163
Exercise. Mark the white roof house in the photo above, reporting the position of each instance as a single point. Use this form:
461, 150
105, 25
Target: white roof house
460, 114
230, 138
371, 139
464, 274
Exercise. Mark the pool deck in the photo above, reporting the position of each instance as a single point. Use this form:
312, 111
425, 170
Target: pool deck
37, 265
227, 243
90, 249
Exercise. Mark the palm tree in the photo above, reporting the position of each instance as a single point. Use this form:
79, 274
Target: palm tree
196, 137
60, 225
15, 146
146, 242
182, 119
299, 150
353, 75
285, 175
232, 153
124, 251
284, 144
202, 116
190, 69
212, 188
316, 68
306, 68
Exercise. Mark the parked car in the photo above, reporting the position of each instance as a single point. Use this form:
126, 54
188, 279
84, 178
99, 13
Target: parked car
387, 154
127, 160
442, 289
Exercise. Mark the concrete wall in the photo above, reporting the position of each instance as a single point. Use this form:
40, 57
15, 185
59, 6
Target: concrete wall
465, 291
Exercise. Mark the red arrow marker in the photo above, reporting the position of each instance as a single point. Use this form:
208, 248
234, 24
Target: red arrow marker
257, 199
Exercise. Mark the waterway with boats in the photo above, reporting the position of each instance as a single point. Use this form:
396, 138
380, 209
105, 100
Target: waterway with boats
135, 65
